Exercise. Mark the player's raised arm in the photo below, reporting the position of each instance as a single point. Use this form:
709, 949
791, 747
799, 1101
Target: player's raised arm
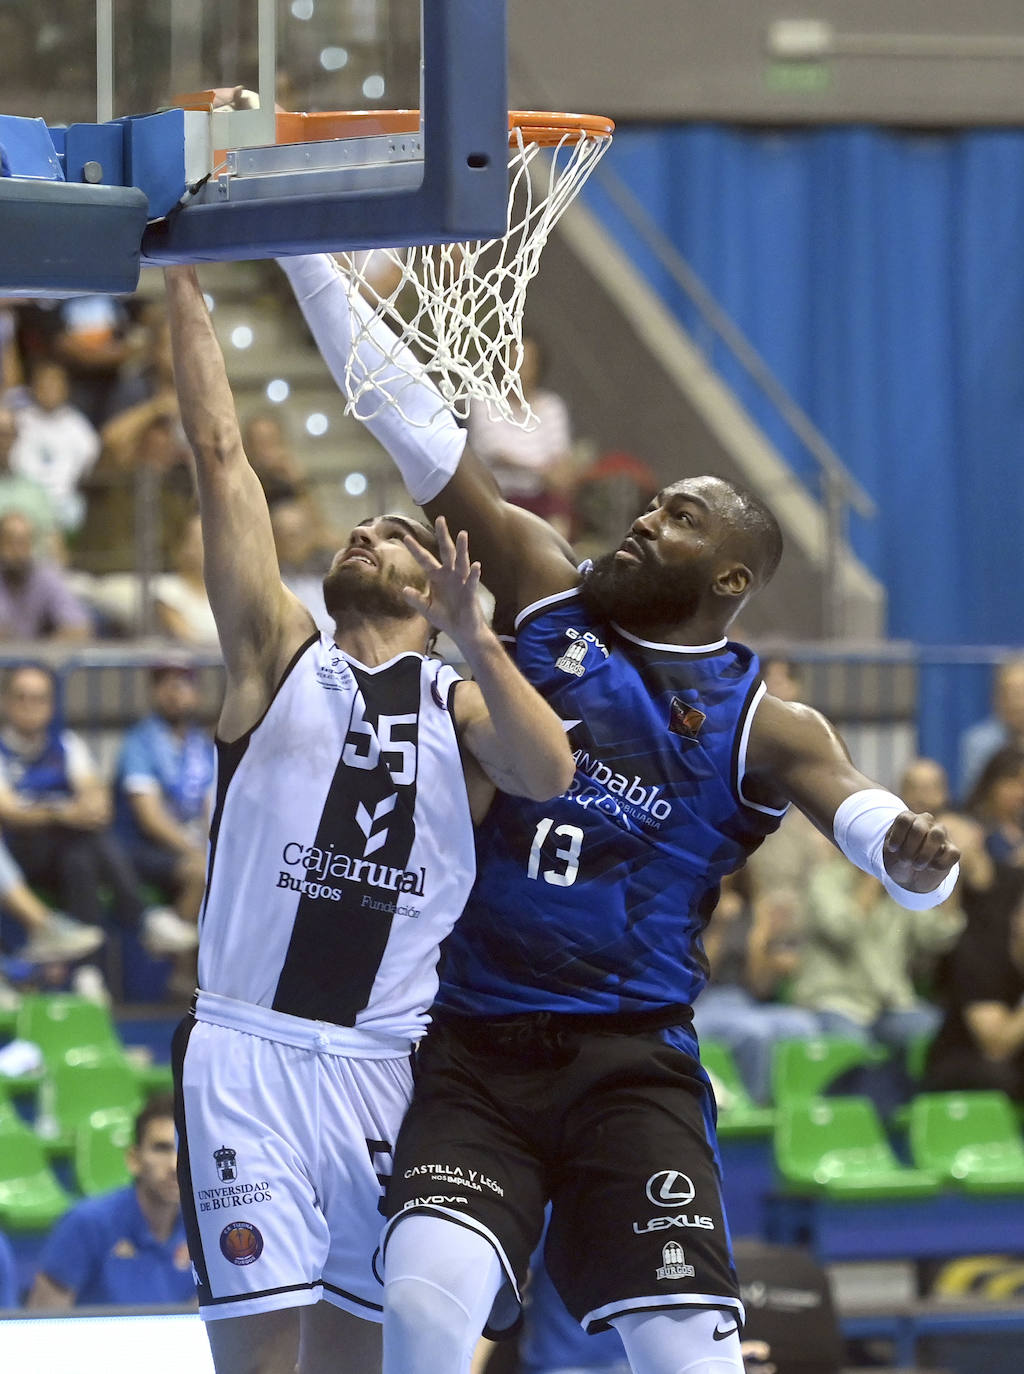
259, 623
522, 559
796, 755
511, 731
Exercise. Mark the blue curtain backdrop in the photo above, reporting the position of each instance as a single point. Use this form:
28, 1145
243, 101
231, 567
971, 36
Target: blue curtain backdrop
881, 274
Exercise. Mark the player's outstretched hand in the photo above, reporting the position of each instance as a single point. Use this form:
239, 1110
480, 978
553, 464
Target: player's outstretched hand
918, 852
450, 601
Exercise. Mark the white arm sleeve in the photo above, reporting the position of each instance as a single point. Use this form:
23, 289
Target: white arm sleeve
427, 447
860, 827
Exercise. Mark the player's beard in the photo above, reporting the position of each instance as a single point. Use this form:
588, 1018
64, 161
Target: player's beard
349, 596
641, 595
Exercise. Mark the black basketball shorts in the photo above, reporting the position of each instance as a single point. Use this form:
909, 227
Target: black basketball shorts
616, 1129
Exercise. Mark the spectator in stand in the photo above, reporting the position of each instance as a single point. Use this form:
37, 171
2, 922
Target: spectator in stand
147, 375
284, 481
24, 494
608, 497
92, 341
997, 803
982, 896
140, 494
751, 952
56, 445
533, 467
859, 953
55, 813
302, 572
35, 600
271, 458
1004, 727
50, 936
10, 356
8, 1275
126, 1248
980, 1044
164, 777
182, 607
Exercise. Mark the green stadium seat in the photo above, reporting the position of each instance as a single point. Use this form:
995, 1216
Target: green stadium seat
738, 1114
100, 1165
31, 1199
59, 1022
836, 1147
802, 1069
972, 1139
96, 1090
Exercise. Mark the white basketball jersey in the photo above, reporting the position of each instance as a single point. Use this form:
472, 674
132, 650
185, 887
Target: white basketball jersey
341, 845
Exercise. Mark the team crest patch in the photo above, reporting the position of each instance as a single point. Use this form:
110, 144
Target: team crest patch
571, 661
674, 1264
224, 1158
685, 721
241, 1242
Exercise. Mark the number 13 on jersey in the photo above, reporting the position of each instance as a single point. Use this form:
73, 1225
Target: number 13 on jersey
566, 856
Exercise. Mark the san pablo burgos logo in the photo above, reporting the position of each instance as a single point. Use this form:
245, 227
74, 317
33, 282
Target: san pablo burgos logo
674, 1264
671, 1191
572, 661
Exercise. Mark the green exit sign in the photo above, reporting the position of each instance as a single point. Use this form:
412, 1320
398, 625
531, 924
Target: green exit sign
808, 78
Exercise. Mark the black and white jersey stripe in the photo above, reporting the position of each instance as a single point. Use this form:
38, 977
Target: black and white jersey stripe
341, 844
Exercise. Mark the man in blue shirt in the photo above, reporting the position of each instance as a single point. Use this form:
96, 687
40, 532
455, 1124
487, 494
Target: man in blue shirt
55, 812
125, 1248
164, 777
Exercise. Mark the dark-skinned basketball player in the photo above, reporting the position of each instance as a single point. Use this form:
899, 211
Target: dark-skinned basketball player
561, 1064
350, 771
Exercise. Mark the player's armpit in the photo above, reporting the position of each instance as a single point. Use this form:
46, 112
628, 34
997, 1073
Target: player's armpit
794, 754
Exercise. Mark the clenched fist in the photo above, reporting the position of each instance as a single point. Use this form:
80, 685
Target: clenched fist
918, 852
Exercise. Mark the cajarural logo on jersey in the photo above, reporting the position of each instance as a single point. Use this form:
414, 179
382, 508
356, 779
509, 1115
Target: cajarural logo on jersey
320, 865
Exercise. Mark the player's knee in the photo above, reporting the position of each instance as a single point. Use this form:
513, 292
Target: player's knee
417, 1304
425, 1328
682, 1341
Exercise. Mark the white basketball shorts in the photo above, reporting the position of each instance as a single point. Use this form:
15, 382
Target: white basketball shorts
284, 1145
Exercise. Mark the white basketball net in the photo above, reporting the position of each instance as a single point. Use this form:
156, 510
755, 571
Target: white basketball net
455, 311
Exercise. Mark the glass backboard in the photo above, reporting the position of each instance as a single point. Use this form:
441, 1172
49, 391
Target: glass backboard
256, 188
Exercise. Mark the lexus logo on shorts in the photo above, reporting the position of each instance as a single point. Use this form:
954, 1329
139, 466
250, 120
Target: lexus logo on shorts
670, 1188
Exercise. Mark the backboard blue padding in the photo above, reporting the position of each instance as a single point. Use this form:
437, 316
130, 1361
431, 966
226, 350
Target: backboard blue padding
102, 143
62, 239
154, 158
29, 148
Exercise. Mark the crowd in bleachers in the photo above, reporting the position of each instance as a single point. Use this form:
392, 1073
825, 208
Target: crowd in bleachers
96, 486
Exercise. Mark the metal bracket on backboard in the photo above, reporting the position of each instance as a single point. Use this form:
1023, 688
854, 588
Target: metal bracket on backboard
337, 166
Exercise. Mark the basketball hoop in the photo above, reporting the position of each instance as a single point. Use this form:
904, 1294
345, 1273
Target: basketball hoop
455, 310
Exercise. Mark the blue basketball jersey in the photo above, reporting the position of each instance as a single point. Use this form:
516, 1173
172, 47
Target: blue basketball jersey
596, 901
